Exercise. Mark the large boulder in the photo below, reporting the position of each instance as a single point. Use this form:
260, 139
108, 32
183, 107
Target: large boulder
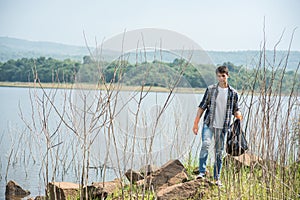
148, 170
133, 176
63, 190
100, 190
182, 191
14, 190
173, 172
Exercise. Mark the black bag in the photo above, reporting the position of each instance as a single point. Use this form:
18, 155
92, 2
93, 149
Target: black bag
236, 143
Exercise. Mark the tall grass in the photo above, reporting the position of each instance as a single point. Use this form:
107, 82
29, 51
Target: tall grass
66, 127
272, 127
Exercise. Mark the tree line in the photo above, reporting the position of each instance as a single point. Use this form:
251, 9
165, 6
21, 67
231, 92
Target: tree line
47, 69
155, 73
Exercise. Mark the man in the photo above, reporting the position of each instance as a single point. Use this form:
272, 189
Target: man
220, 102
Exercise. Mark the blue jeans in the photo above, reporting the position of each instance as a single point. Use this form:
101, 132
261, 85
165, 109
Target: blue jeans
219, 137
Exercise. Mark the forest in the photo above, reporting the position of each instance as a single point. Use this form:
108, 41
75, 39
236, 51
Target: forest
155, 73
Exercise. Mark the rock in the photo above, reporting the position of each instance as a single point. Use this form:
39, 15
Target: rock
14, 190
63, 190
133, 176
148, 169
179, 178
246, 159
196, 171
182, 191
100, 190
40, 198
172, 172
95, 192
141, 182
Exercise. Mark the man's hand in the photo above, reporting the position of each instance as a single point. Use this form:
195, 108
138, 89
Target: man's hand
195, 129
196, 121
239, 115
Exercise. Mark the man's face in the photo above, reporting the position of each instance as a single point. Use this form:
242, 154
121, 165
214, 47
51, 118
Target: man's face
222, 78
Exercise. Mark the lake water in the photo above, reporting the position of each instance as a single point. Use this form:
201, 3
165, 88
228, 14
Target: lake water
140, 133
23, 141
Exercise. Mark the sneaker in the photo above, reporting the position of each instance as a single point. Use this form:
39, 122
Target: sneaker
200, 176
219, 183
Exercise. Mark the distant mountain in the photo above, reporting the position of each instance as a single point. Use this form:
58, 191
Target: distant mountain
251, 58
11, 48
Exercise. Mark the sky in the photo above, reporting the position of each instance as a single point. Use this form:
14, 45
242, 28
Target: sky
221, 25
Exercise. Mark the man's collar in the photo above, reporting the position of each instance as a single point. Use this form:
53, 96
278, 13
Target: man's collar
229, 87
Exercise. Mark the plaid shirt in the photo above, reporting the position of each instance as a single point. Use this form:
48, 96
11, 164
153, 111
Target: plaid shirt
208, 103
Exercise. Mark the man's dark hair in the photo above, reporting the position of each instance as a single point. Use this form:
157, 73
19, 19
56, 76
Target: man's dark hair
222, 70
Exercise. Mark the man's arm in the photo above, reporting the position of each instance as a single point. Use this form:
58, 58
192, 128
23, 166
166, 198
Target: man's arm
202, 107
197, 119
236, 109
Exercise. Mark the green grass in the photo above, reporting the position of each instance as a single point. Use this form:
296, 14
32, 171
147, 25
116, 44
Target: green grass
260, 182
264, 181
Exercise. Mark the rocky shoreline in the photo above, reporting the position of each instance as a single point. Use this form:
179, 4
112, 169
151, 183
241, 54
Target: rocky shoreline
170, 181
